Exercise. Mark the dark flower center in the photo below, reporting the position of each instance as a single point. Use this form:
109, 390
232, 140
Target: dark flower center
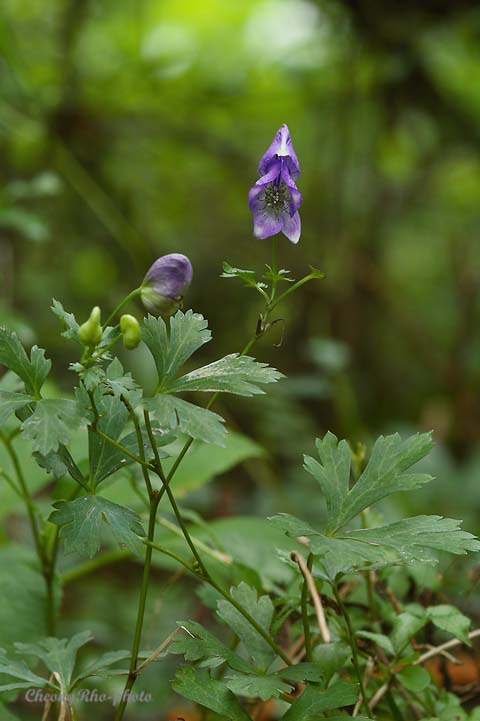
275, 196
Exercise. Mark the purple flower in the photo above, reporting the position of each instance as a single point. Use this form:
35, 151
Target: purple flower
165, 284
274, 199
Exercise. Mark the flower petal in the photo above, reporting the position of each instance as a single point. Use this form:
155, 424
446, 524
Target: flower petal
295, 199
273, 173
292, 227
281, 147
265, 223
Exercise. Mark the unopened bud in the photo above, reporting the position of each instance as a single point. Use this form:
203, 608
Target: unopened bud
165, 284
132, 334
90, 332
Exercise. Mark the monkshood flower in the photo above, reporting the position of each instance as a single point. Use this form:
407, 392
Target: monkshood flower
274, 199
165, 284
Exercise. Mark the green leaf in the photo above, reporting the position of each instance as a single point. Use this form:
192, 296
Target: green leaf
200, 645
194, 421
19, 671
330, 658
255, 686
105, 459
248, 276
405, 626
59, 463
413, 540
385, 474
332, 472
207, 692
379, 639
33, 371
52, 423
68, 320
314, 700
414, 678
261, 608
101, 666
10, 402
237, 374
188, 332
304, 671
58, 654
122, 384
82, 522
450, 619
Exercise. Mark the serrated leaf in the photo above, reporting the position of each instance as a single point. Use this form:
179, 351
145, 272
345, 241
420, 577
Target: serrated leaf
11, 401
332, 472
203, 646
450, 619
122, 384
194, 421
261, 608
25, 678
188, 332
385, 474
33, 371
413, 540
304, 671
52, 423
68, 320
331, 658
83, 519
207, 692
314, 700
58, 654
414, 678
256, 686
237, 374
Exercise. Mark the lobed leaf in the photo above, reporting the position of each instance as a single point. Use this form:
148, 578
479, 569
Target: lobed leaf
52, 423
182, 416
33, 371
207, 692
83, 519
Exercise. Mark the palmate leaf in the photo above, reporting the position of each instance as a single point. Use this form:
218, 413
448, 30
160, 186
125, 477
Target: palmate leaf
237, 374
58, 654
385, 473
104, 457
33, 371
52, 423
68, 319
412, 540
261, 608
194, 421
188, 332
314, 700
249, 277
83, 520
59, 463
207, 692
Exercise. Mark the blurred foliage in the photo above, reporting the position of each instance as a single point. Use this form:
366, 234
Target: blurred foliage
132, 129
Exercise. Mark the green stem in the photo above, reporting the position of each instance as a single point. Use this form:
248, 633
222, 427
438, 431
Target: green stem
353, 645
104, 349
141, 449
141, 610
292, 289
274, 266
124, 450
305, 621
127, 299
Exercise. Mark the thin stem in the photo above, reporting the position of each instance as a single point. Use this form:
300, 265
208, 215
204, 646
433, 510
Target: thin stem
141, 610
306, 625
124, 450
294, 287
354, 647
104, 349
127, 299
141, 449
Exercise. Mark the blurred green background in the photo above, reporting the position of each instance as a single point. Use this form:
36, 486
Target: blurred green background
132, 129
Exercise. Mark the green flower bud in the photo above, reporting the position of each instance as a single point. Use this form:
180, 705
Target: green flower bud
90, 332
132, 334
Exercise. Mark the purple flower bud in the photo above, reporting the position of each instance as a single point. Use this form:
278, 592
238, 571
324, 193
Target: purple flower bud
165, 284
274, 199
